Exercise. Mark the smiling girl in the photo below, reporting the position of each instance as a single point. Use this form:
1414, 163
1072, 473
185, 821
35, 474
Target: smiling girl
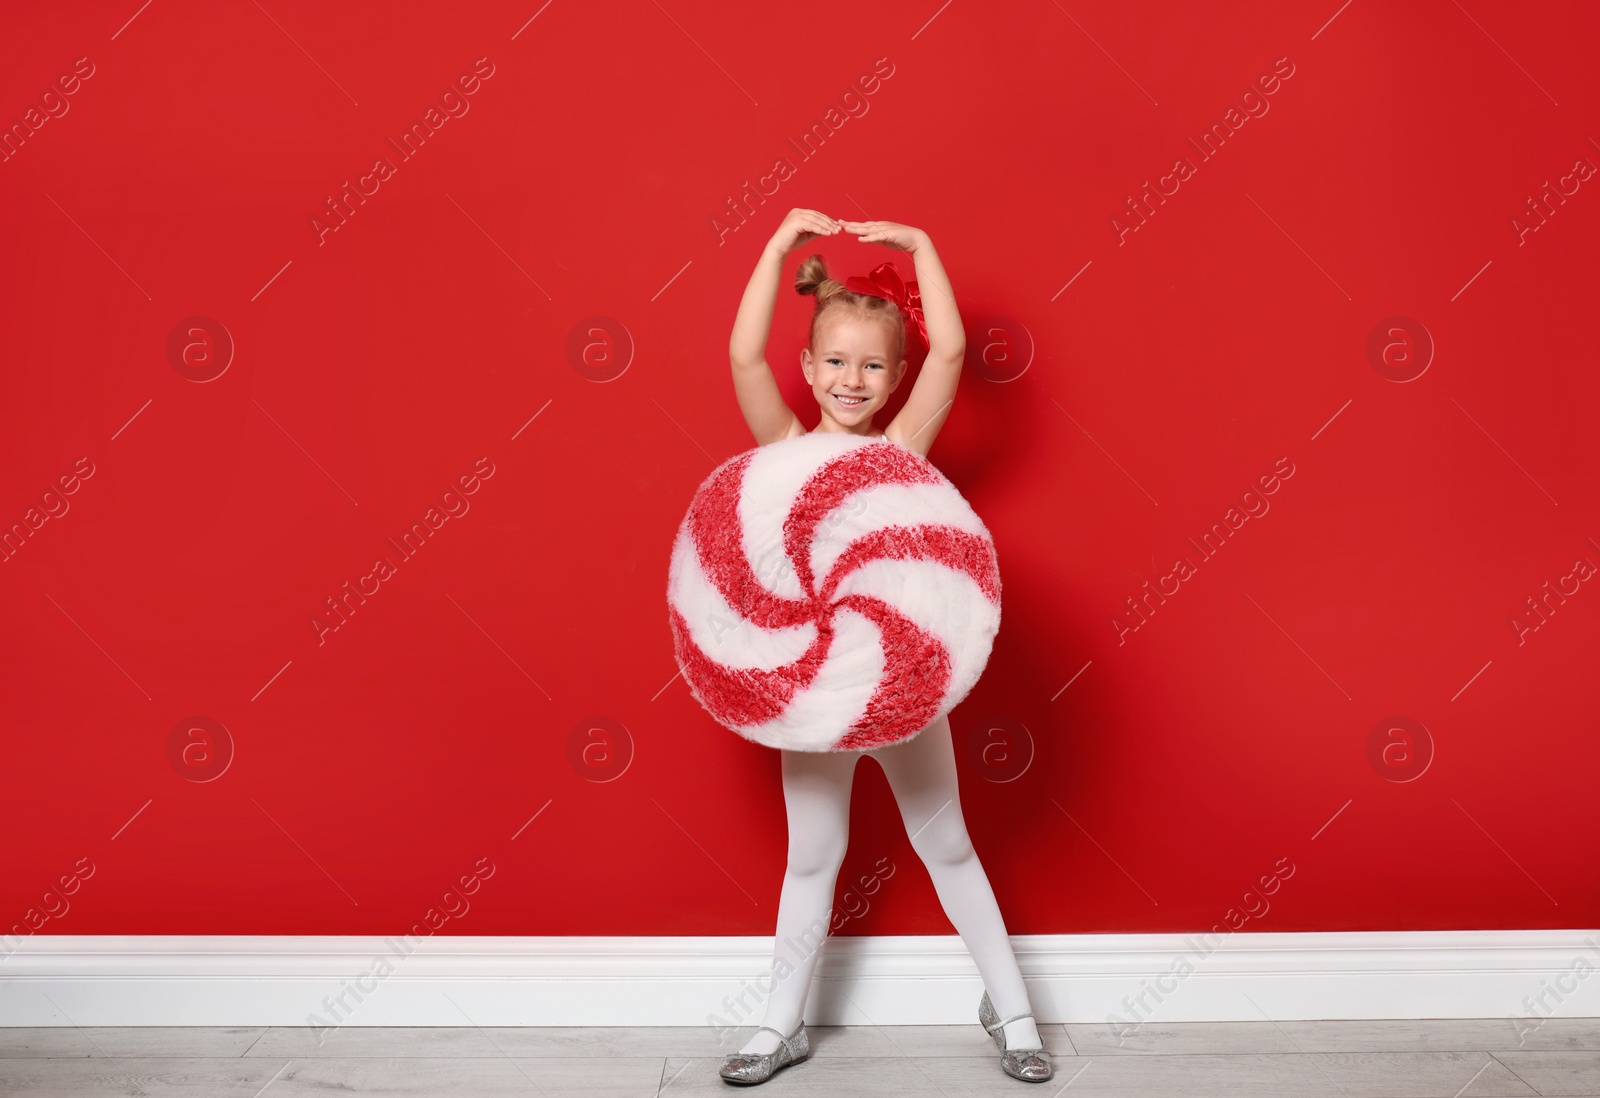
854, 360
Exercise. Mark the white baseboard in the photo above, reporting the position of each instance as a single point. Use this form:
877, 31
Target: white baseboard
184, 980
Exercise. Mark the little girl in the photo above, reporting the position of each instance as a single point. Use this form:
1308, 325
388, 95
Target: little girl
854, 362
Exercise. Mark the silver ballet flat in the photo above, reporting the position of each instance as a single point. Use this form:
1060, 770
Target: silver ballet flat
1031, 1065
750, 1067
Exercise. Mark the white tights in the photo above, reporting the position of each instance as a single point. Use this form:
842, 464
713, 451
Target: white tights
922, 774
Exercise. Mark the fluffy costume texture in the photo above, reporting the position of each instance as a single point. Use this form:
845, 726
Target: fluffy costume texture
831, 593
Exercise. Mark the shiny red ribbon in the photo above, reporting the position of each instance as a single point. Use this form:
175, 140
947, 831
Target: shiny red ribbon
885, 281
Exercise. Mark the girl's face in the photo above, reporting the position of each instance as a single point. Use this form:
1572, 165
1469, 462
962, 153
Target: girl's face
851, 372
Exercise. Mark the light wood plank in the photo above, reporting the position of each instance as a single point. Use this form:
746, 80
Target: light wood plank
1565, 1073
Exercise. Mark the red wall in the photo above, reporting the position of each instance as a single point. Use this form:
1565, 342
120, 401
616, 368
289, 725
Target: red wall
1128, 385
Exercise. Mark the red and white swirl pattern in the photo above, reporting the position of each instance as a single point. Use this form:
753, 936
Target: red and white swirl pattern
831, 593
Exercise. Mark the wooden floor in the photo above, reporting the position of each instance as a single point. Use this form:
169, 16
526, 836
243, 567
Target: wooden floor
1391, 1059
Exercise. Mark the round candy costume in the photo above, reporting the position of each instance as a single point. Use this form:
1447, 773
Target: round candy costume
831, 592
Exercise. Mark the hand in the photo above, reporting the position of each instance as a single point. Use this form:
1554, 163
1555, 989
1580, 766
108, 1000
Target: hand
799, 226
888, 233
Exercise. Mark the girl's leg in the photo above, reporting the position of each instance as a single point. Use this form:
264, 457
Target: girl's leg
816, 796
922, 773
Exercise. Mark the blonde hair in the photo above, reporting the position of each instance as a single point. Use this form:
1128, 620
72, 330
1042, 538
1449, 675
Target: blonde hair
832, 296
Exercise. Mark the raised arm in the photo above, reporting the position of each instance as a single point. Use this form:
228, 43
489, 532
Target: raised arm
768, 417
928, 406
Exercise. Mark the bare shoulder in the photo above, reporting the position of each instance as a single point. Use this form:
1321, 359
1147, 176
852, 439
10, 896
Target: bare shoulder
896, 433
794, 430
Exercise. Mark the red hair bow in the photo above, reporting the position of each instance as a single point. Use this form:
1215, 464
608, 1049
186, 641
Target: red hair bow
885, 281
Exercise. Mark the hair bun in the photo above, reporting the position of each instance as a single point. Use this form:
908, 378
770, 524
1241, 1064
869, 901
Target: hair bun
812, 278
